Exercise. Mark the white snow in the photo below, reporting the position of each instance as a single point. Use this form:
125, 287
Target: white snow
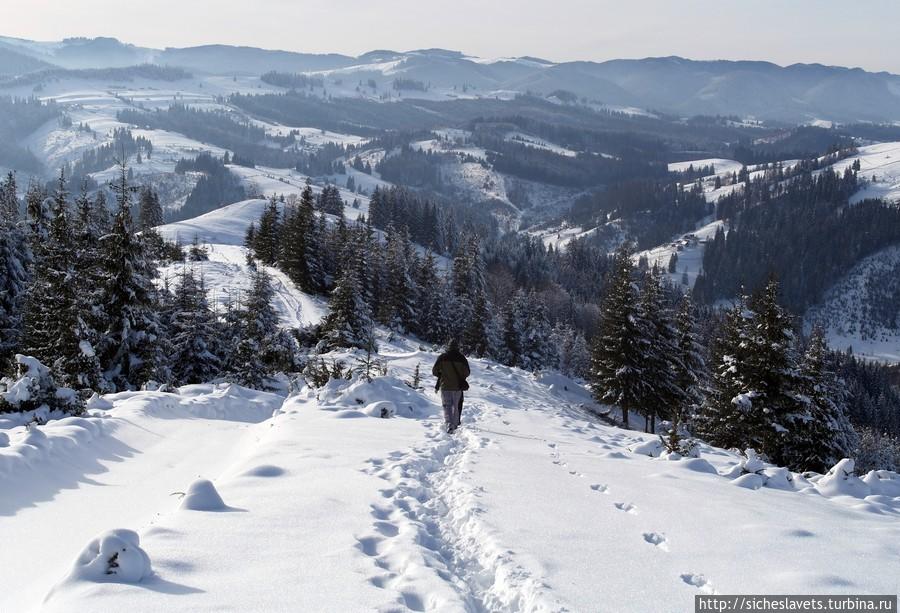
522, 510
689, 248
721, 166
844, 312
880, 165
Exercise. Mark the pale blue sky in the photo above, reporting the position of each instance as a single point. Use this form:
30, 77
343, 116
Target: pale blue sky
862, 33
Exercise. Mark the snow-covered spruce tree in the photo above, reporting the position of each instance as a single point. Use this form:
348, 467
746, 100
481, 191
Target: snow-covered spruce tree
434, 302
473, 311
399, 308
349, 320
619, 347
266, 239
15, 259
57, 326
263, 348
9, 200
150, 213
36, 213
130, 330
826, 436
720, 419
193, 333
514, 324
539, 350
690, 372
300, 254
757, 398
574, 353
662, 359
33, 387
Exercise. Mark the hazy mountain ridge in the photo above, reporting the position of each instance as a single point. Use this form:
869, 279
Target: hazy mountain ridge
795, 93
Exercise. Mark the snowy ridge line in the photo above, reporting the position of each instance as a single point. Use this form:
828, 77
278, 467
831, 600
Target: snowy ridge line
29, 446
436, 507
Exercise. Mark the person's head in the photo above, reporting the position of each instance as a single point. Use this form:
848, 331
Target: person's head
453, 345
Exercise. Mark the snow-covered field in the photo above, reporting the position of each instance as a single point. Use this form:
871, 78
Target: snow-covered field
844, 313
880, 165
689, 248
535, 505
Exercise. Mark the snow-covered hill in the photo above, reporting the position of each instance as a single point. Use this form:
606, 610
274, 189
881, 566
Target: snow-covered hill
796, 93
535, 505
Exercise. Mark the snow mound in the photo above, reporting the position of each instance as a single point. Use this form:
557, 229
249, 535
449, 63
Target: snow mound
381, 397
841, 480
382, 408
203, 496
115, 556
97, 403
652, 448
30, 447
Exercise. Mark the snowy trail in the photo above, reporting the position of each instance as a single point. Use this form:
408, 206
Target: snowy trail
534, 505
124, 478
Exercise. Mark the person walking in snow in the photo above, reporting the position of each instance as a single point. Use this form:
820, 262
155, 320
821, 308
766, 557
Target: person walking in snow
451, 370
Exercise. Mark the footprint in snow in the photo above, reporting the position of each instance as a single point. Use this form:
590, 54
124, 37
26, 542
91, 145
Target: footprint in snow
699, 582
627, 507
657, 539
599, 487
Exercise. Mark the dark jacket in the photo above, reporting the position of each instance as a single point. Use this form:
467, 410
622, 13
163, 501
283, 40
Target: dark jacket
451, 369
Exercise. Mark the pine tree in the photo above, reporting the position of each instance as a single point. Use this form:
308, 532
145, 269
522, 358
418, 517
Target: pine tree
130, 333
514, 324
150, 213
720, 421
36, 213
266, 240
619, 348
690, 372
349, 321
434, 302
15, 261
300, 256
662, 360
263, 348
825, 436
193, 333
398, 309
9, 200
57, 328
757, 400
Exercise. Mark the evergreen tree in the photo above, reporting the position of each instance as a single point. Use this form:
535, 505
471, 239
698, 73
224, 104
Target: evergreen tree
690, 372
434, 302
398, 309
15, 258
130, 333
757, 400
263, 348
193, 333
826, 436
300, 256
150, 213
619, 348
349, 321
266, 238
57, 325
662, 360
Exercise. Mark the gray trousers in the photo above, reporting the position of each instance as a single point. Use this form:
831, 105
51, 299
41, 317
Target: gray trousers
452, 403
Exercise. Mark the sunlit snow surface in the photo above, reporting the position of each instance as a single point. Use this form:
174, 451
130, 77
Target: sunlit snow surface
329, 508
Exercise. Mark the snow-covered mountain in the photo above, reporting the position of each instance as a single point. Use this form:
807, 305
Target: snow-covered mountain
800, 92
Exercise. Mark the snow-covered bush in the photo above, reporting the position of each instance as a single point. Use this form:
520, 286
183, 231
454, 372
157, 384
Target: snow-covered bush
115, 556
842, 480
34, 388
